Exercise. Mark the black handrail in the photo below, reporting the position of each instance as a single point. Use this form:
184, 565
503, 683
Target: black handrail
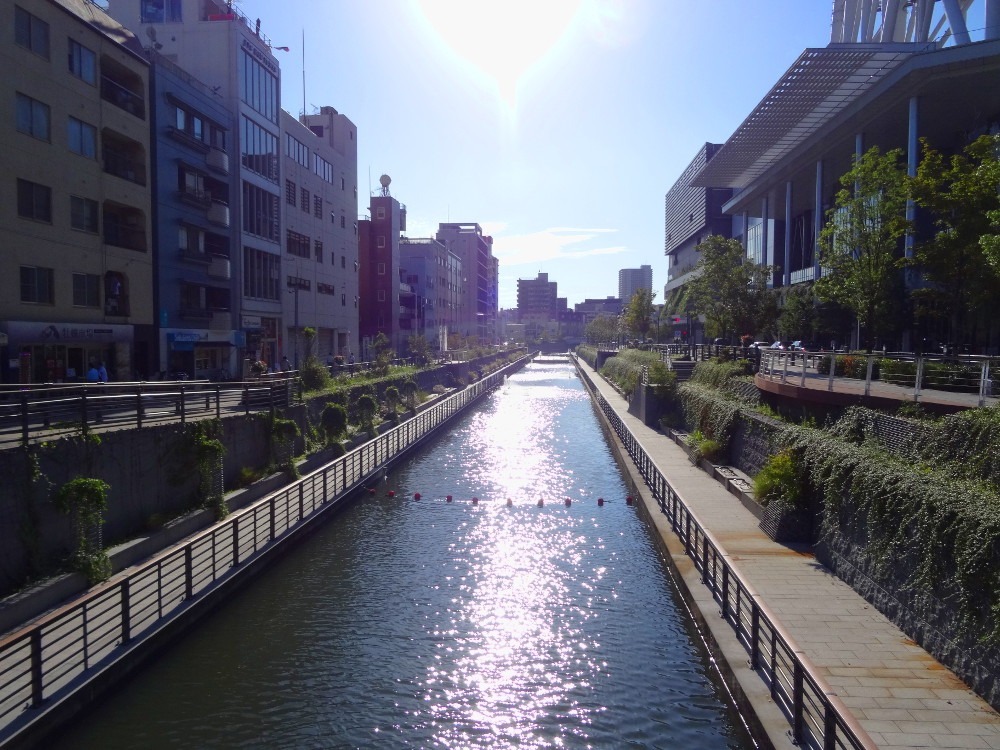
817, 717
57, 653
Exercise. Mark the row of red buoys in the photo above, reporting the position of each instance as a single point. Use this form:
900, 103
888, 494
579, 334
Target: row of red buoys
475, 501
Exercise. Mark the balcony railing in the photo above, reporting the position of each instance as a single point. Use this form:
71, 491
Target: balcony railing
117, 306
115, 93
122, 235
195, 197
124, 165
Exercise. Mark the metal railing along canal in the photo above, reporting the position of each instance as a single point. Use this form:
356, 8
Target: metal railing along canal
817, 717
59, 652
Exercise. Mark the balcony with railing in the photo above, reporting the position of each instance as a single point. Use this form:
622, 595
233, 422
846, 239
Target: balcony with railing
124, 227
123, 158
117, 306
123, 88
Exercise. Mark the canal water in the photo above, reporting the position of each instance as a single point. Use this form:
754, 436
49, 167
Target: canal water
436, 624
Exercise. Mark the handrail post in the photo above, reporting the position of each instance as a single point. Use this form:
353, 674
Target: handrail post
236, 541
784, 367
183, 405
37, 692
24, 418
188, 573
755, 638
725, 591
919, 381
126, 625
218, 406
138, 408
984, 374
868, 374
83, 410
798, 706
833, 369
803, 381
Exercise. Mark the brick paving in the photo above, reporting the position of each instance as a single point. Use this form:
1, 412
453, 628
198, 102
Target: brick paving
899, 694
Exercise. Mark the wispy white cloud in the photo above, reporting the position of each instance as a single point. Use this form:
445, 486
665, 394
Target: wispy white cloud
554, 243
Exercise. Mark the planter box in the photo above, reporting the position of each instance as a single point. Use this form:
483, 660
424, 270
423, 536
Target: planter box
787, 525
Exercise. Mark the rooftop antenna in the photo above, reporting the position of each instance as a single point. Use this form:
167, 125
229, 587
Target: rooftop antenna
303, 71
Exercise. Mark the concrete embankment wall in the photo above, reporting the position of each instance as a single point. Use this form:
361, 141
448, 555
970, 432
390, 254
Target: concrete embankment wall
152, 474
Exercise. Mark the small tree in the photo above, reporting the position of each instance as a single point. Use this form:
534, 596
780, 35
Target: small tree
960, 192
639, 312
729, 289
392, 399
602, 329
861, 241
334, 421
420, 349
409, 390
366, 407
798, 315
383, 353
86, 499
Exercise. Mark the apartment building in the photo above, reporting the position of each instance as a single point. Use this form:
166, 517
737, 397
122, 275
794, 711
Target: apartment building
76, 274
218, 45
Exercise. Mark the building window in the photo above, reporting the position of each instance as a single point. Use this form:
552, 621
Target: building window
260, 88
381, 269
296, 150
260, 213
86, 290
261, 274
343, 261
323, 168
343, 300
83, 214
259, 150
343, 222
380, 212
34, 201
318, 248
380, 241
296, 244
305, 200
82, 138
381, 295
161, 11
31, 32
33, 117
317, 207
343, 184
37, 285
82, 62
290, 192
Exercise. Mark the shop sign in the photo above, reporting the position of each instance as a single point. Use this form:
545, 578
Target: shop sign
251, 322
27, 332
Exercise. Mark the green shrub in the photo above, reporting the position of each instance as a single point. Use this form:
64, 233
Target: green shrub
849, 366
780, 481
314, 375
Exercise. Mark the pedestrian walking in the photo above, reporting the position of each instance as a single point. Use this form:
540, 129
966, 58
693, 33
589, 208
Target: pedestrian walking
285, 364
102, 374
92, 374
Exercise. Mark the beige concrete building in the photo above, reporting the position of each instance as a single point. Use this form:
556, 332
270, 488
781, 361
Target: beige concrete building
76, 273
319, 165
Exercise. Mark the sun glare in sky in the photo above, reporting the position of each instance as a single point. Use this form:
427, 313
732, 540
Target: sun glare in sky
499, 43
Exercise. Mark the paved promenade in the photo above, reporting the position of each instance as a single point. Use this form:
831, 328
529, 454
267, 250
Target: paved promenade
899, 694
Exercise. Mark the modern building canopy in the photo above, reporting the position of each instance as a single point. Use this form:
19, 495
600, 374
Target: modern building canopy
818, 86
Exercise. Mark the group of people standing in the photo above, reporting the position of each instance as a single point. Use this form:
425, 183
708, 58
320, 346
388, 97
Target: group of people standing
97, 373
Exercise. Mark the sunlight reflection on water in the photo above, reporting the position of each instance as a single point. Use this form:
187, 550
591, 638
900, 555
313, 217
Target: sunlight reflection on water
451, 625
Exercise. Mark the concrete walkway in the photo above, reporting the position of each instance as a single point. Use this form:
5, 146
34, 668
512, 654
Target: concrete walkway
899, 694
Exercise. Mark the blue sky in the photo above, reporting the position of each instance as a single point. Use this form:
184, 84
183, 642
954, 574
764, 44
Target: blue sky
557, 125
